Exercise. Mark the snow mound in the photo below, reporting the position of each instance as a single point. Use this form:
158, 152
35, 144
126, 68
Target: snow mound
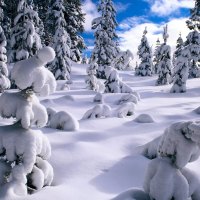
98, 98
62, 120
132, 194
126, 109
181, 142
31, 73
62, 86
128, 98
46, 55
20, 149
144, 118
99, 111
164, 181
26, 110
149, 150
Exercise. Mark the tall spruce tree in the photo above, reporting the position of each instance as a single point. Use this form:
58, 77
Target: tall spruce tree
155, 57
164, 63
75, 19
193, 41
106, 47
61, 66
145, 54
25, 40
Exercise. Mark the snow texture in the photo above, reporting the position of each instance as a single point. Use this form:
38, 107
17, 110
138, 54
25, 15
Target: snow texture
31, 73
99, 111
132, 194
26, 110
126, 109
163, 181
98, 98
62, 120
180, 142
144, 118
128, 98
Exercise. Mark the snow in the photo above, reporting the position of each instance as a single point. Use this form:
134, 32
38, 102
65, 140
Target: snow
144, 118
62, 120
32, 73
126, 109
101, 160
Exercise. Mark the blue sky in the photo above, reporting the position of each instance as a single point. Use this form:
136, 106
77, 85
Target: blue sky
134, 15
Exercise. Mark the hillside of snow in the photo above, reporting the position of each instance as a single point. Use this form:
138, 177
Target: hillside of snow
102, 159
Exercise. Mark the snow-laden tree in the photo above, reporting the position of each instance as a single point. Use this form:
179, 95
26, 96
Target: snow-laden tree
179, 47
25, 40
75, 19
156, 57
164, 61
114, 84
122, 60
61, 66
106, 47
4, 81
145, 54
181, 69
25, 151
167, 177
91, 80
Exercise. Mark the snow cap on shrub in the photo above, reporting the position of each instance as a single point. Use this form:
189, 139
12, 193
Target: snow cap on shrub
46, 54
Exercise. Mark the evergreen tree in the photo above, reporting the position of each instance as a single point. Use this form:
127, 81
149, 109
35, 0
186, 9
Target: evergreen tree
25, 41
156, 55
61, 66
145, 54
179, 45
106, 47
75, 19
193, 41
4, 81
164, 61
180, 71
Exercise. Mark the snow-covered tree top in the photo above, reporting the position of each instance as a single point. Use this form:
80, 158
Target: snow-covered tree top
165, 33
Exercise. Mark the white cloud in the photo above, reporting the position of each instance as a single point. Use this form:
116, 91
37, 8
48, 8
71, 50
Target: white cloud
121, 7
130, 39
167, 7
90, 9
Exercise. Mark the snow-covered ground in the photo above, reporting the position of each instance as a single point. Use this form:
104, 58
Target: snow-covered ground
102, 158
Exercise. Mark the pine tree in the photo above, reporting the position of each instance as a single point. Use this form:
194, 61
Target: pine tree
179, 45
75, 19
61, 66
164, 63
106, 47
180, 71
25, 40
145, 54
4, 81
193, 41
155, 59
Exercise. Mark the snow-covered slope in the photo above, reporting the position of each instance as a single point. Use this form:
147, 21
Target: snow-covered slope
101, 159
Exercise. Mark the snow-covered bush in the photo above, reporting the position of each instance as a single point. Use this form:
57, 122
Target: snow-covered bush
164, 63
144, 118
113, 82
122, 61
91, 80
163, 181
145, 54
98, 98
4, 81
126, 109
99, 111
26, 108
35, 76
62, 120
128, 98
23, 150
